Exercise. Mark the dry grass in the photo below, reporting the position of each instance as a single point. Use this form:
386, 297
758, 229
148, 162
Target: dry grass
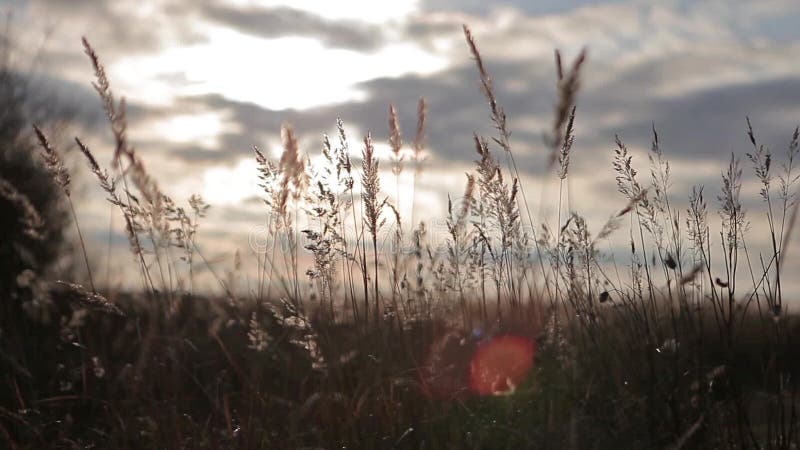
29, 218
686, 345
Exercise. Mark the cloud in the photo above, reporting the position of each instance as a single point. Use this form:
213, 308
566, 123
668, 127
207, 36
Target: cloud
702, 124
709, 125
282, 21
660, 77
482, 7
118, 27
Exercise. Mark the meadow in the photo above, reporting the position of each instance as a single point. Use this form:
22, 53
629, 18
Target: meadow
359, 332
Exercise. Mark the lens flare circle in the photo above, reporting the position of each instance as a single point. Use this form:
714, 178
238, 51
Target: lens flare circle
501, 364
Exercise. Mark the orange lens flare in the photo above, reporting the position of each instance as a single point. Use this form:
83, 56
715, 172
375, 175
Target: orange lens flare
501, 364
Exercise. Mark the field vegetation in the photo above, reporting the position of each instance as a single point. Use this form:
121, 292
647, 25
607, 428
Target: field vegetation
359, 332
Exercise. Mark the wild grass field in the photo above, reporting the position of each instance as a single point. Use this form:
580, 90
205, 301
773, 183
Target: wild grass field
359, 332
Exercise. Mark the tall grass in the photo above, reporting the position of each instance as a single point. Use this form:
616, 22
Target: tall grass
688, 344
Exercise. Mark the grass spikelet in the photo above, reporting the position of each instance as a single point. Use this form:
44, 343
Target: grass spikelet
53, 163
29, 218
106, 183
568, 85
566, 146
731, 210
614, 222
55, 166
370, 185
498, 114
109, 186
395, 141
75, 293
419, 138
469, 198
115, 112
292, 167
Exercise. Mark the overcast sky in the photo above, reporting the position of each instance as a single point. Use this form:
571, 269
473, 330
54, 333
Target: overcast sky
207, 79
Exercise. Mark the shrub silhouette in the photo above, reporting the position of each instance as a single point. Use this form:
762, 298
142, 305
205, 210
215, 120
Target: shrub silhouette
21, 170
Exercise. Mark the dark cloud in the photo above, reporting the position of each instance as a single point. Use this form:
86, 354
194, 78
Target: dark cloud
114, 28
708, 125
482, 7
282, 21
50, 98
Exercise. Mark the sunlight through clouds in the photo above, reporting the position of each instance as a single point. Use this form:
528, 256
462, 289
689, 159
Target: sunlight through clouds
230, 186
284, 73
202, 129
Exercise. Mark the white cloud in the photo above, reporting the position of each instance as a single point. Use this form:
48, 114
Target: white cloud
290, 72
202, 129
230, 186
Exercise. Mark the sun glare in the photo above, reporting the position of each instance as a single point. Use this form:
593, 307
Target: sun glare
229, 186
283, 73
201, 129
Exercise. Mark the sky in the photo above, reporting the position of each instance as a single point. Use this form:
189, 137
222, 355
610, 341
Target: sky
205, 80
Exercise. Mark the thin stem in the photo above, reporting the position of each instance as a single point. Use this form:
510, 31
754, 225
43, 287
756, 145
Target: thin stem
83, 244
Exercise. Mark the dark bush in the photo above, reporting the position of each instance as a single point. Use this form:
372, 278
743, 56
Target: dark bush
20, 167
